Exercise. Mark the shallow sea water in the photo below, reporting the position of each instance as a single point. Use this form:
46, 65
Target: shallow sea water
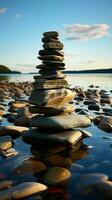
97, 159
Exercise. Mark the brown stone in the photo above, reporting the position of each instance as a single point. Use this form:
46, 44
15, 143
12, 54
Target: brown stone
28, 166
12, 130
54, 110
50, 84
58, 161
51, 34
52, 97
53, 45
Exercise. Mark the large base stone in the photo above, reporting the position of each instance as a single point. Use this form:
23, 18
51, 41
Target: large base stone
37, 136
60, 122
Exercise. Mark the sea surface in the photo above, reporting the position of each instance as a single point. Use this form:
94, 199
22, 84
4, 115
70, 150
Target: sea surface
83, 80
97, 158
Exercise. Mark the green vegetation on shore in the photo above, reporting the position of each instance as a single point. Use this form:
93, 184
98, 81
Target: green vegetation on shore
6, 70
97, 71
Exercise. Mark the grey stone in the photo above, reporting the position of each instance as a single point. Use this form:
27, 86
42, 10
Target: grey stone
93, 107
36, 136
24, 111
22, 121
53, 45
106, 124
60, 122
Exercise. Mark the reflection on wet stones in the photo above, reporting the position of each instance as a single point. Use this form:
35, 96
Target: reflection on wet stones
56, 176
28, 166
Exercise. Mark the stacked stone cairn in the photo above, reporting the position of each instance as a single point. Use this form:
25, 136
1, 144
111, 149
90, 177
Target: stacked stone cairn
51, 132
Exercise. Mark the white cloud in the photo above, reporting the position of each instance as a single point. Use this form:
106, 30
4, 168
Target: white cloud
18, 15
2, 10
70, 55
83, 32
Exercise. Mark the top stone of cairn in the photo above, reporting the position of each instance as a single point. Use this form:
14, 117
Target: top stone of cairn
51, 34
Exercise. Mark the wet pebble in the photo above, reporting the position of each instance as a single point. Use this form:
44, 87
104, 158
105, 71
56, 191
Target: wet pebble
88, 180
56, 176
76, 168
58, 160
14, 131
22, 190
22, 121
5, 143
29, 166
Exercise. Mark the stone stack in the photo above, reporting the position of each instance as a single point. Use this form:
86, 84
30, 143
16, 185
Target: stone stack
51, 99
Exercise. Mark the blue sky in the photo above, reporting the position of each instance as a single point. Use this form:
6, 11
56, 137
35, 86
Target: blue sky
85, 28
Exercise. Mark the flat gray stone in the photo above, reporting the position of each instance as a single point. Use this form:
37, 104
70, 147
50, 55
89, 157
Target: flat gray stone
37, 136
60, 122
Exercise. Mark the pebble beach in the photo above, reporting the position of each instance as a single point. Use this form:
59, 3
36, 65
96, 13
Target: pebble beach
55, 139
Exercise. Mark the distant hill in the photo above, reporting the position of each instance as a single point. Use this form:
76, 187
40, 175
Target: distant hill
6, 70
93, 71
